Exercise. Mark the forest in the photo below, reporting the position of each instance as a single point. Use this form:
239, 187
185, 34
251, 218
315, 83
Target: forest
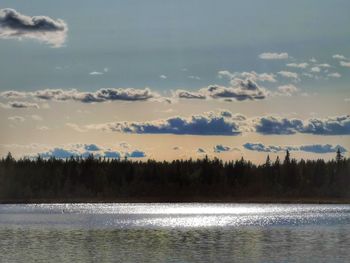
93, 179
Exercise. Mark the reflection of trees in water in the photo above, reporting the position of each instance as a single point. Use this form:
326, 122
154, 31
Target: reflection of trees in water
246, 244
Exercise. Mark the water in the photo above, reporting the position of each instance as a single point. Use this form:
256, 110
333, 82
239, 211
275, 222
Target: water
174, 233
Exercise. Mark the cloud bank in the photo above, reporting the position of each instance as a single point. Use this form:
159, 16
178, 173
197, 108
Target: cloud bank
14, 25
205, 124
314, 148
339, 125
101, 95
86, 150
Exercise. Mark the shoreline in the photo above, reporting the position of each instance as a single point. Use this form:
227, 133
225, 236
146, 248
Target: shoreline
184, 200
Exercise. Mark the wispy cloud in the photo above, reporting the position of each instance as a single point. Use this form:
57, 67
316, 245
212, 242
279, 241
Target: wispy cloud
19, 105
345, 64
338, 56
296, 65
273, 56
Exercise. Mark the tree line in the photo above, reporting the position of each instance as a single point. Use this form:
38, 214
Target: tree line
103, 179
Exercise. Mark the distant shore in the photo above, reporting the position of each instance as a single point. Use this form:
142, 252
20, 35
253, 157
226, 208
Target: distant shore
183, 200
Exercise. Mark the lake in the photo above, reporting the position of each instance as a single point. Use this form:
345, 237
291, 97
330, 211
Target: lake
196, 232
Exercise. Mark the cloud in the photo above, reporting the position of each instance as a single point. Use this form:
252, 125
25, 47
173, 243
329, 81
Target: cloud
334, 75
205, 124
96, 73
340, 57
59, 153
14, 25
322, 148
163, 77
315, 69
288, 74
287, 90
324, 65
273, 56
184, 94
101, 95
19, 105
314, 148
12, 94
86, 150
194, 77
252, 75
339, 125
112, 154
259, 147
43, 128
91, 147
16, 118
300, 65
221, 148
136, 154
36, 117
241, 90
345, 64
201, 151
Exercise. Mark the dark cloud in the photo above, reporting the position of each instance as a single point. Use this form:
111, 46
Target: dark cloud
240, 90
221, 148
314, 148
329, 126
259, 147
42, 28
101, 95
112, 154
19, 105
272, 125
86, 150
201, 150
59, 153
206, 124
92, 147
322, 148
136, 154
184, 94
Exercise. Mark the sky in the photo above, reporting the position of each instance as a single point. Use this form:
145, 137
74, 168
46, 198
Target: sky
175, 79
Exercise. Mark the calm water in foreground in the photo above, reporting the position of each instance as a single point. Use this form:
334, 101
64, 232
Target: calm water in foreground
174, 233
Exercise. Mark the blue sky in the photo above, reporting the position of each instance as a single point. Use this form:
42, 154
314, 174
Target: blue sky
152, 73
140, 40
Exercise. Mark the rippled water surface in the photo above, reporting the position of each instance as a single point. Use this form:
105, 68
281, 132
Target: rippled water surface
174, 233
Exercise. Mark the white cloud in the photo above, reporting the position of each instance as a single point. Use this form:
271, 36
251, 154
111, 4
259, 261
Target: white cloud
273, 56
194, 77
163, 77
345, 64
296, 65
287, 90
340, 57
334, 75
96, 73
16, 118
288, 74
315, 69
